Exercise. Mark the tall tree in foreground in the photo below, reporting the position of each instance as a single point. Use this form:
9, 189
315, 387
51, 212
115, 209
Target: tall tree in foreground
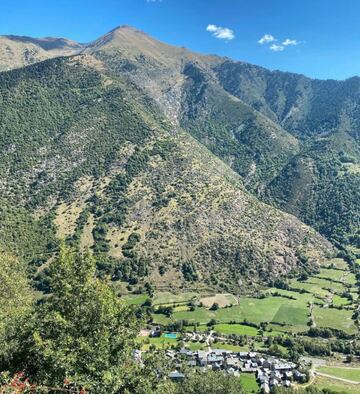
82, 333
15, 305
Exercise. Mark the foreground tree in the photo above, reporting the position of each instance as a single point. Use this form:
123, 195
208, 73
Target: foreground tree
82, 334
15, 305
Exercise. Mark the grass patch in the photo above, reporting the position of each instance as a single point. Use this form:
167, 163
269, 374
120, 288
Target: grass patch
334, 274
169, 298
194, 346
181, 308
248, 382
254, 310
327, 284
228, 346
340, 372
335, 318
201, 328
221, 299
340, 301
322, 382
160, 319
238, 329
311, 286
291, 315
337, 263
135, 299
160, 343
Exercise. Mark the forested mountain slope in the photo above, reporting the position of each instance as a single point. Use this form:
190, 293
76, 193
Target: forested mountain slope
88, 156
321, 183
261, 123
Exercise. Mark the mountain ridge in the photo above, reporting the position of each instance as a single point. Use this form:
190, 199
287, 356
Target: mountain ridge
152, 195
84, 108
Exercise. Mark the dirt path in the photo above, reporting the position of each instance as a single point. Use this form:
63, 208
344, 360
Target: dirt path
208, 339
336, 378
311, 309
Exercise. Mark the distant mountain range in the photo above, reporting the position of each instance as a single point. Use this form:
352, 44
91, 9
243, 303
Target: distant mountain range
173, 166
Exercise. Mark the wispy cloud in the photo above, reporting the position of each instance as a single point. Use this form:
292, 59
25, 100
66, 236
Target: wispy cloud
288, 42
276, 48
223, 33
281, 46
266, 38
154, 1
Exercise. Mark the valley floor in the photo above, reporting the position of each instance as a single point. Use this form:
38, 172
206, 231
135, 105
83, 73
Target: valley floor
319, 310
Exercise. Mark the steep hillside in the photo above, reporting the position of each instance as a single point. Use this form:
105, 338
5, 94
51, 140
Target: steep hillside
259, 122
303, 106
19, 51
321, 184
85, 149
186, 89
322, 187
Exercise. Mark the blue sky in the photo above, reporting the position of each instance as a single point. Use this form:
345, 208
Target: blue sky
323, 35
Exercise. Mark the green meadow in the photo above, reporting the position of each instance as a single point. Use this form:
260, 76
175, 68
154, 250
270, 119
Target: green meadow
284, 310
249, 383
333, 385
238, 329
340, 372
335, 318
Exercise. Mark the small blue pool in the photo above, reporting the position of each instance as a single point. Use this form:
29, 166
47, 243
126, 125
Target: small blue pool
170, 335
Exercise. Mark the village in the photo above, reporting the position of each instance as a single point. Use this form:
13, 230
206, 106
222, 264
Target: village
270, 371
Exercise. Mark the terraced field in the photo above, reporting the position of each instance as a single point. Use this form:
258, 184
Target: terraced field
167, 298
285, 310
335, 318
255, 310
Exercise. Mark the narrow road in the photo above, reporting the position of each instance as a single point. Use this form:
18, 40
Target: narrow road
207, 341
336, 378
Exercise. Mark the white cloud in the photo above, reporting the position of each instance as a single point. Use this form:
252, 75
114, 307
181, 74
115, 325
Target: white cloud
270, 39
277, 48
266, 38
154, 1
288, 41
223, 33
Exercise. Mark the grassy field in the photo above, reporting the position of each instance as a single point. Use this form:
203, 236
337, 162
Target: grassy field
334, 318
221, 299
168, 298
328, 284
160, 343
340, 372
248, 382
194, 346
135, 299
292, 315
337, 263
312, 285
238, 329
277, 309
333, 274
161, 319
301, 297
340, 301
322, 382
228, 346
285, 310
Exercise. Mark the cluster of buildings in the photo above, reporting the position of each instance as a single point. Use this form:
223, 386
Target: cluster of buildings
270, 371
